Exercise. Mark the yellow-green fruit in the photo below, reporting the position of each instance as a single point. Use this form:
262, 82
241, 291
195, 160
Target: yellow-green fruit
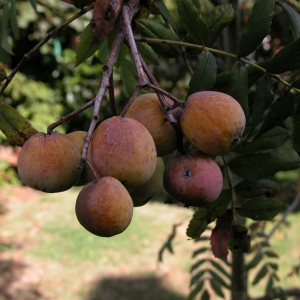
49, 163
213, 122
144, 193
77, 137
104, 208
123, 148
147, 110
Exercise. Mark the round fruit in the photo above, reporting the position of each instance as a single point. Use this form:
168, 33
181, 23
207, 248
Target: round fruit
193, 179
144, 193
213, 122
147, 110
123, 148
49, 163
104, 208
77, 138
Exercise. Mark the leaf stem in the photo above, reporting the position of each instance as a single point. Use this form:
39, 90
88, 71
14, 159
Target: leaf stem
215, 51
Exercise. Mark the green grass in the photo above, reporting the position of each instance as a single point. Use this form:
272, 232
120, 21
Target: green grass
72, 264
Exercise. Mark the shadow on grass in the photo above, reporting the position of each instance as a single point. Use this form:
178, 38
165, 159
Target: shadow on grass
132, 288
11, 288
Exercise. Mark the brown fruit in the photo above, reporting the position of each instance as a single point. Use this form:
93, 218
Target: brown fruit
104, 208
123, 148
213, 122
77, 138
144, 193
147, 110
193, 179
49, 163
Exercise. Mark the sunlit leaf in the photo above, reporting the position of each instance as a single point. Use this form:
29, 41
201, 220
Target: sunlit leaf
256, 28
15, 127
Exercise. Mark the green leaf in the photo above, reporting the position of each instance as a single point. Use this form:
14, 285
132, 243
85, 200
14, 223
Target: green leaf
128, 76
3, 74
260, 275
257, 27
260, 165
121, 56
239, 240
239, 86
293, 18
250, 189
217, 19
262, 99
205, 74
33, 4
287, 59
280, 110
14, 126
148, 54
205, 215
152, 29
296, 129
164, 11
193, 23
260, 208
103, 52
87, 45
269, 140
216, 287
13, 21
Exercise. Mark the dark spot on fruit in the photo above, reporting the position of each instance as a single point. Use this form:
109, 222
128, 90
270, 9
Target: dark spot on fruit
187, 173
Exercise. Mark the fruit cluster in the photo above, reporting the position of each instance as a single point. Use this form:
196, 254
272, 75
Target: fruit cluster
125, 168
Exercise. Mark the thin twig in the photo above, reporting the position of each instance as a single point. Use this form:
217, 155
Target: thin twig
132, 98
112, 100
